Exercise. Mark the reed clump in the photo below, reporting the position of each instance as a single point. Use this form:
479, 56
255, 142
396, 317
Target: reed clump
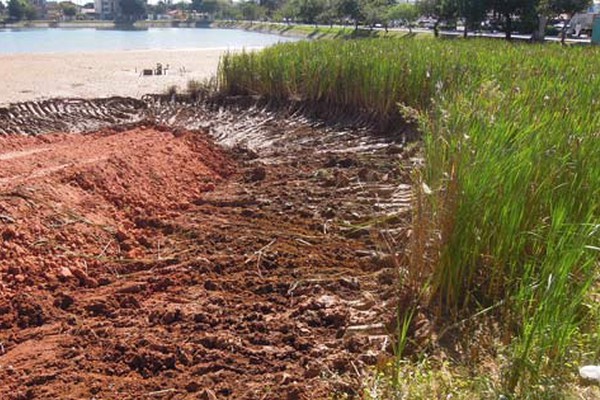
509, 197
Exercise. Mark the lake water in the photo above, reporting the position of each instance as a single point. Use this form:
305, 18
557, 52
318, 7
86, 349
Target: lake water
61, 40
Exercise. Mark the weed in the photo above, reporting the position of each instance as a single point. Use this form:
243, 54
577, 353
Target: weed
506, 209
171, 91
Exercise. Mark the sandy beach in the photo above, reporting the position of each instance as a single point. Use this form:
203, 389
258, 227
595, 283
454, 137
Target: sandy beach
101, 74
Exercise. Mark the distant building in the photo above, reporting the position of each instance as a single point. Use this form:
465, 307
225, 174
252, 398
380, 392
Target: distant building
88, 13
107, 9
176, 14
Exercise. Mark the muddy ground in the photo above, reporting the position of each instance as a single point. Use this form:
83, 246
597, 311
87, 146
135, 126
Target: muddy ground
160, 250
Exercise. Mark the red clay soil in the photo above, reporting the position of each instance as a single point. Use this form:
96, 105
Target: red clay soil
151, 264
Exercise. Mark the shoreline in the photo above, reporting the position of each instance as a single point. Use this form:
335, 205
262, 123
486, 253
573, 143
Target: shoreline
311, 32
105, 73
42, 76
222, 49
104, 24
284, 30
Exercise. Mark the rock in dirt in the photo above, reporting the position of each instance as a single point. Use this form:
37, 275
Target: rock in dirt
29, 312
591, 372
64, 273
63, 301
256, 174
84, 278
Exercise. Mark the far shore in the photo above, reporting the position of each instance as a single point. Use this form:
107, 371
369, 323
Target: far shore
29, 77
39, 76
296, 30
106, 24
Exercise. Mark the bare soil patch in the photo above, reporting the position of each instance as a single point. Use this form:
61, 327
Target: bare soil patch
237, 260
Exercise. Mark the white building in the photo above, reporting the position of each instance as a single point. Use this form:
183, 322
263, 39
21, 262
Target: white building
107, 9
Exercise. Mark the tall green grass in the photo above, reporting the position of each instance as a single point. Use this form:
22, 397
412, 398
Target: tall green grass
508, 215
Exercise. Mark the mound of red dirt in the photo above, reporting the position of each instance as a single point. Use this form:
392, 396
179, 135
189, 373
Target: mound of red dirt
150, 263
75, 200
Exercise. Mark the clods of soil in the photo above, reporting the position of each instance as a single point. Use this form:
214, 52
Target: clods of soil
152, 263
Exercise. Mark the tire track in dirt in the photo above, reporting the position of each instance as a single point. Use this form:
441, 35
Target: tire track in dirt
69, 115
268, 281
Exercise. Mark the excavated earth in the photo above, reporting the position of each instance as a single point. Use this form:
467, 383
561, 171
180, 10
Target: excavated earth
164, 250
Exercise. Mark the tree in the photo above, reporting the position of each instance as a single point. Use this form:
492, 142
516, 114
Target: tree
309, 10
211, 7
68, 9
405, 12
157, 9
181, 6
508, 9
160, 8
133, 10
196, 5
19, 9
230, 11
472, 12
350, 9
375, 12
30, 11
329, 13
270, 6
439, 10
288, 12
16, 9
2, 8
218, 8
251, 11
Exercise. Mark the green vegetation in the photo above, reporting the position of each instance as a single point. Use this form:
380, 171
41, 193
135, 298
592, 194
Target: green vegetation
21, 9
523, 16
405, 12
68, 9
506, 227
132, 10
312, 32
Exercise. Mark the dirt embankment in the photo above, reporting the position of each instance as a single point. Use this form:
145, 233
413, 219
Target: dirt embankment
74, 199
148, 262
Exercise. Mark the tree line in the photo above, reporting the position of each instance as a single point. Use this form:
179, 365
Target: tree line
17, 10
526, 16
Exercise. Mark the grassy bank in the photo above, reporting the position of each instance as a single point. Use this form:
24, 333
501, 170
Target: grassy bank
506, 227
292, 30
310, 31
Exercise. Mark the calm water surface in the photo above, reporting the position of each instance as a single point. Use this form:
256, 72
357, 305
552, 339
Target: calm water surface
57, 40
